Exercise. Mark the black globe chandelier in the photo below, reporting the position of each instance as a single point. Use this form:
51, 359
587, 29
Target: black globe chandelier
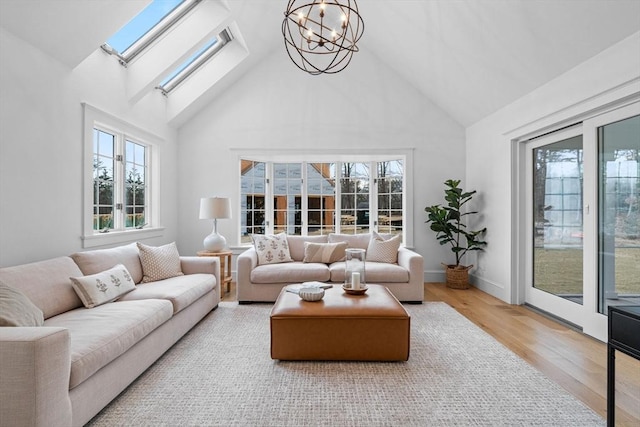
321, 36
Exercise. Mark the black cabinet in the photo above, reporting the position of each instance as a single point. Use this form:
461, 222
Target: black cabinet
624, 336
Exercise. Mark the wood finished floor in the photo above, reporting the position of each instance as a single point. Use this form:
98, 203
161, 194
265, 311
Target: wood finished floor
575, 361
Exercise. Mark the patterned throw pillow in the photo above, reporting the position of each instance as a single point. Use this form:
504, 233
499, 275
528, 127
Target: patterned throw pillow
103, 287
271, 249
18, 310
159, 262
326, 253
381, 250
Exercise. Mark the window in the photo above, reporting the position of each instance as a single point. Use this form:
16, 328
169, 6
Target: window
389, 182
146, 27
287, 198
119, 183
321, 197
120, 202
318, 198
354, 186
253, 189
146, 31
194, 62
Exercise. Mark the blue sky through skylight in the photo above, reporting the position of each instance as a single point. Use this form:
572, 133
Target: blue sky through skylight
188, 61
141, 24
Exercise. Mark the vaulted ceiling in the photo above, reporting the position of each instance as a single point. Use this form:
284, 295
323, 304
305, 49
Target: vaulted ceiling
469, 57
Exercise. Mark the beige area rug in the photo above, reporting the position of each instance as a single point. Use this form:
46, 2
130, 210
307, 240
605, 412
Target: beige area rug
221, 374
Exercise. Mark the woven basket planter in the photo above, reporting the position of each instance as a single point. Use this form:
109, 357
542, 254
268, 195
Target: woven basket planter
457, 276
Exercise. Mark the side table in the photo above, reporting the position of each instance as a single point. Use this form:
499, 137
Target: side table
225, 269
624, 336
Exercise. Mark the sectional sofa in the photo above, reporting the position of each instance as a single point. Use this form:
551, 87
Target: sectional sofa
64, 372
263, 282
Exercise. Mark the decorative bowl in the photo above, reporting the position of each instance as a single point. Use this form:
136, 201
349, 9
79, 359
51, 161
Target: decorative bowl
311, 293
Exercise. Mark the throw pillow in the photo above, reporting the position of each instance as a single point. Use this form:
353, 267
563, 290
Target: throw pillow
18, 310
159, 262
104, 287
326, 253
271, 249
381, 250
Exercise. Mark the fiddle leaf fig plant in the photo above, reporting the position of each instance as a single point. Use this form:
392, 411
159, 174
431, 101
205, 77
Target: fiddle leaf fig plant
448, 222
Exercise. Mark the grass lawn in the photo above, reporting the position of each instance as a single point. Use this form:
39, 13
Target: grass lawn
559, 271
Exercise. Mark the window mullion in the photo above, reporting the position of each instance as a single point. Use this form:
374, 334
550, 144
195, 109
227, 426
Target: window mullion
119, 180
268, 203
147, 184
304, 202
338, 204
373, 196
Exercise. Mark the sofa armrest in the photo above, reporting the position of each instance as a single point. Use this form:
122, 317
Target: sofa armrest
413, 262
247, 261
34, 376
201, 265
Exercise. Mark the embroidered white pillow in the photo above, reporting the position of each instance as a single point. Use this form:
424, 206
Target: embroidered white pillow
271, 249
381, 250
159, 262
326, 253
103, 287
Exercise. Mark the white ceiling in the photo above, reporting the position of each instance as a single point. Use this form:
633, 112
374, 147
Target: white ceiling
470, 57
69, 30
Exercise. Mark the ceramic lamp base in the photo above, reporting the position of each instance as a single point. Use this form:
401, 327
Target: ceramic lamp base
214, 242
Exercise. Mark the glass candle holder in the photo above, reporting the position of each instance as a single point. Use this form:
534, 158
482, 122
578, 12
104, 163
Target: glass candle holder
354, 269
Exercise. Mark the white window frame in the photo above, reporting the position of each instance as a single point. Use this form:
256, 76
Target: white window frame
336, 156
97, 119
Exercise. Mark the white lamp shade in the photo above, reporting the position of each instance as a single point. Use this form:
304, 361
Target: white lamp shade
215, 208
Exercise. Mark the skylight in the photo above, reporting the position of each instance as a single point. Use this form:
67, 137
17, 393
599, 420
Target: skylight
146, 27
194, 62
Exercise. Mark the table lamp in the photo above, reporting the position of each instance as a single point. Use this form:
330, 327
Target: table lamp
215, 208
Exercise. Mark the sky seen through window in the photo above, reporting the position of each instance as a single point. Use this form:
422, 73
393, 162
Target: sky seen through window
141, 24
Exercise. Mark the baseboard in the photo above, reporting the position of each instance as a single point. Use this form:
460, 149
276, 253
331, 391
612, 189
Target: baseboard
434, 276
492, 288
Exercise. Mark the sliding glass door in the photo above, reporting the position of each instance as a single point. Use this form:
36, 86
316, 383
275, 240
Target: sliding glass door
582, 209
619, 213
555, 176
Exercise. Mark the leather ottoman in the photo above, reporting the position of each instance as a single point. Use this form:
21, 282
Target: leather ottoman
373, 326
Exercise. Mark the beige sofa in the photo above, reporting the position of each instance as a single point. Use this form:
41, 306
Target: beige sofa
263, 283
64, 372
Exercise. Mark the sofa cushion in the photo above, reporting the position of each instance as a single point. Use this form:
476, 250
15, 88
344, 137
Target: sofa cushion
324, 252
92, 262
181, 291
356, 241
382, 249
17, 310
100, 335
375, 272
293, 272
100, 288
271, 248
159, 262
46, 284
296, 245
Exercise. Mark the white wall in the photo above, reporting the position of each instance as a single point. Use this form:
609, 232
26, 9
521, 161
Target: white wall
276, 106
41, 147
610, 75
